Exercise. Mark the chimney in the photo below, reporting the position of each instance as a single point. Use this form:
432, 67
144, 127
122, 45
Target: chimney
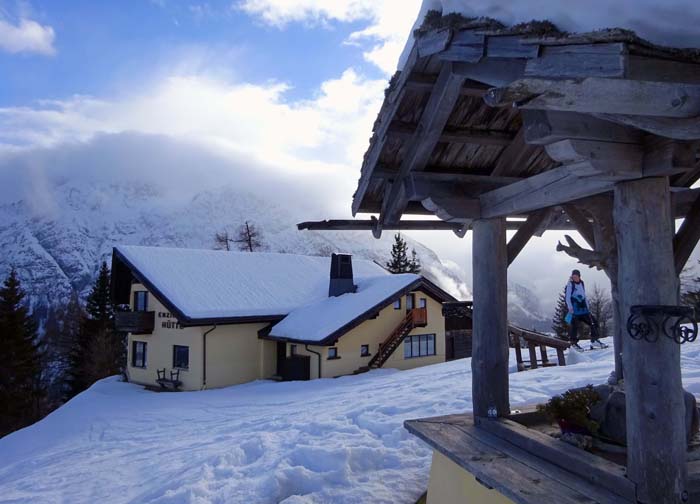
341, 275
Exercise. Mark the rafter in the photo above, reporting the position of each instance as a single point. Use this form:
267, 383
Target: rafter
687, 237
456, 135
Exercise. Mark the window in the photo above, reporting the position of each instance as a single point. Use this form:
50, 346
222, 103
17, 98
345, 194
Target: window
181, 357
397, 304
422, 303
420, 345
410, 301
292, 349
140, 300
138, 354
364, 351
333, 353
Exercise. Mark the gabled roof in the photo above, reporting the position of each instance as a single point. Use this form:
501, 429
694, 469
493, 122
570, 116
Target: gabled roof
214, 286
324, 321
202, 287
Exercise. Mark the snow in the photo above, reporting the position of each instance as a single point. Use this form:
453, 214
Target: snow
218, 283
329, 440
670, 23
318, 320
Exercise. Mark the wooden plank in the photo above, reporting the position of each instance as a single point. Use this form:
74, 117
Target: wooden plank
656, 443
543, 127
663, 70
509, 46
596, 470
513, 157
459, 209
687, 237
432, 122
538, 337
465, 46
560, 357
526, 231
481, 454
433, 42
456, 135
600, 96
495, 469
494, 72
579, 61
490, 333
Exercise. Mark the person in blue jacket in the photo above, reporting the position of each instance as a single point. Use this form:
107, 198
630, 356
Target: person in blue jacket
579, 312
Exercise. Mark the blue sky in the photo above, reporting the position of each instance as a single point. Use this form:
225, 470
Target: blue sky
103, 47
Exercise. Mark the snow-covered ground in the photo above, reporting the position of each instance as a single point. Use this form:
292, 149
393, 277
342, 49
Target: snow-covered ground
333, 440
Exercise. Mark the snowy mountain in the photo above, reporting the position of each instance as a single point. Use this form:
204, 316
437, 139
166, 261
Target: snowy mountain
56, 245
525, 309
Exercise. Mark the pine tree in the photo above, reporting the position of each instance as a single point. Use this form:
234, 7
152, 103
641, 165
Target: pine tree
414, 265
99, 350
249, 237
559, 325
399, 262
600, 305
21, 386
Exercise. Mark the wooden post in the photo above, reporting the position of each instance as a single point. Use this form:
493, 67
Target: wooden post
490, 333
656, 440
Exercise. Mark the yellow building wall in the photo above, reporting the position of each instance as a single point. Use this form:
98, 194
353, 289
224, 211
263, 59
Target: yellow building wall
451, 484
159, 347
373, 332
235, 355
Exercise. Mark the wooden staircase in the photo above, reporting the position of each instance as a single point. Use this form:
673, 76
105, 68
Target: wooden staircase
417, 317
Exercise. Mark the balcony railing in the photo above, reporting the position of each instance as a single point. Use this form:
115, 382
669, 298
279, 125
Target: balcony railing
420, 317
138, 322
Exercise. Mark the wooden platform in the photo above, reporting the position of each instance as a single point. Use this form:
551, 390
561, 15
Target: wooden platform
528, 466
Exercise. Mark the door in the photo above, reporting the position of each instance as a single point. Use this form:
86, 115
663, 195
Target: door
410, 302
281, 356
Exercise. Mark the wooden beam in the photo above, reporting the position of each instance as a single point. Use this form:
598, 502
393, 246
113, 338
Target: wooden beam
543, 127
583, 225
677, 128
367, 225
452, 209
490, 334
687, 237
656, 430
523, 235
553, 187
452, 177
456, 135
600, 96
432, 122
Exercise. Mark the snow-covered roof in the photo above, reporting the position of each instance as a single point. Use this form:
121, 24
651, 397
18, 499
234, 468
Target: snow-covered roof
215, 284
322, 319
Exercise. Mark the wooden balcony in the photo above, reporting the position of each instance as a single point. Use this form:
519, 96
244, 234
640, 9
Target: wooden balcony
139, 322
420, 317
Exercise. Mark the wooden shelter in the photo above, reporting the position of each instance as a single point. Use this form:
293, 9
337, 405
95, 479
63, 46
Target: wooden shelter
492, 128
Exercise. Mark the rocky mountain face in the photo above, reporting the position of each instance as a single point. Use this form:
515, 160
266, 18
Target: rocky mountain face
526, 310
56, 245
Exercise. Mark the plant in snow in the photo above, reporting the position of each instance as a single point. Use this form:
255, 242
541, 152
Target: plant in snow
99, 351
21, 386
414, 265
249, 237
222, 241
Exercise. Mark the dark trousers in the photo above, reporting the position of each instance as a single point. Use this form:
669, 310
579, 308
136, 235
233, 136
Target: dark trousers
586, 319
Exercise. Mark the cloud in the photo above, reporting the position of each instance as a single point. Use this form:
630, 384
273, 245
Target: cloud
385, 36
26, 36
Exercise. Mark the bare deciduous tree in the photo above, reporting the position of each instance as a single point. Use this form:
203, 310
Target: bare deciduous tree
249, 237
